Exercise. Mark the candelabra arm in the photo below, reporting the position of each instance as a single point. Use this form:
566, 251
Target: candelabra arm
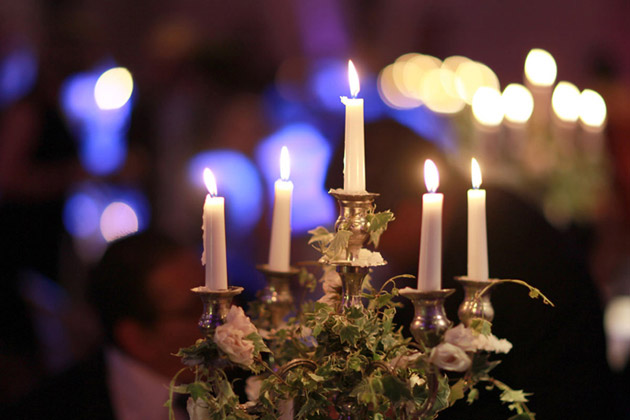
352, 278
430, 321
476, 303
216, 305
277, 294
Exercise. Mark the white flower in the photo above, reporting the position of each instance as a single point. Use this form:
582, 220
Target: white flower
252, 387
492, 343
367, 258
332, 299
450, 357
231, 337
462, 337
197, 409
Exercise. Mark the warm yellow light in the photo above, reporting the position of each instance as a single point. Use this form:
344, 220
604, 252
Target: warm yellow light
285, 164
475, 172
487, 107
414, 71
438, 92
540, 68
565, 101
113, 88
210, 181
472, 75
592, 109
353, 78
453, 62
431, 176
389, 92
518, 103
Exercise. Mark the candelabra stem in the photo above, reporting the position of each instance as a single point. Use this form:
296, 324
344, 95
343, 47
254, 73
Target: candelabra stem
352, 278
277, 294
216, 305
430, 321
475, 304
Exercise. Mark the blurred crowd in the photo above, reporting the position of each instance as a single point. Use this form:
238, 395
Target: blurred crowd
218, 83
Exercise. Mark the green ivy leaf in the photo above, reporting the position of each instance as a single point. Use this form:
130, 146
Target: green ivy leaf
481, 325
337, 247
457, 391
473, 395
395, 389
378, 224
514, 395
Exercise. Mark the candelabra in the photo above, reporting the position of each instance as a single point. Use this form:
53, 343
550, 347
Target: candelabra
216, 305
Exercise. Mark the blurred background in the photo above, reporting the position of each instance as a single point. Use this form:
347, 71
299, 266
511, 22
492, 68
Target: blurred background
111, 110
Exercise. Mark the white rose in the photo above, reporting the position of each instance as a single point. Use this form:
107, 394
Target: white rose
231, 337
332, 299
197, 409
462, 337
252, 387
450, 357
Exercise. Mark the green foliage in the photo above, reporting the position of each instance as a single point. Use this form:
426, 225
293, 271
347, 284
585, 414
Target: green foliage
332, 245
377, 223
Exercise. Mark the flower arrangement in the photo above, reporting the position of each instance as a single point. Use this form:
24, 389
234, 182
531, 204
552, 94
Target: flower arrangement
335, 361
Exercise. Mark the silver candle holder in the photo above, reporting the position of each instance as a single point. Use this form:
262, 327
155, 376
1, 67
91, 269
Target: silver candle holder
277, 294
216, 305
353, 213
430, 321
476, 303
352, 278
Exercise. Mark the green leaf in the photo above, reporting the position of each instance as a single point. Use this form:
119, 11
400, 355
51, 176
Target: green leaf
320, 235
457, 391
349, 334
473, 395
481, 325
514, 395
315, 377
378, 224
196, 390
395, 389
338, 246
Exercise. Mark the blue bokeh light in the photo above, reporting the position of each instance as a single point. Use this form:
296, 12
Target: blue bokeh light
426, 124
310, 155
81, 214
237, 180
102, 133
329, 81
18, 72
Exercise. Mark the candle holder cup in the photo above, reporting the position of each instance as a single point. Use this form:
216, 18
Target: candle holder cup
430, 321
476, 303
353, 212
352, 278
216, 305
277, 294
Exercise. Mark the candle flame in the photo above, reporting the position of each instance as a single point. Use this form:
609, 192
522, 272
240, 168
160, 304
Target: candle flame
353, 78
285, 164
475, 173
211, 183
431, 176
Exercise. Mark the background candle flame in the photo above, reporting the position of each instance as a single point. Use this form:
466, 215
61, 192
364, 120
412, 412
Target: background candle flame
210, 181
475, 171
285, 164
353, 78
431, 176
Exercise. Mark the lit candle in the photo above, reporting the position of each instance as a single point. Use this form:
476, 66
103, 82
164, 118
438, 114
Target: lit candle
430, 264
354, 157
214, 257
280, 247
477, 237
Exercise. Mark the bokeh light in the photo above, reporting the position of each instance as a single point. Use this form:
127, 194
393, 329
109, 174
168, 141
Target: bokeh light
390, 93
540, 67
565, 101
592, 109
487, 106
113, 88
310, 157
18, 72
81, 215
472, 75
438, 92
518, 103
118, 220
